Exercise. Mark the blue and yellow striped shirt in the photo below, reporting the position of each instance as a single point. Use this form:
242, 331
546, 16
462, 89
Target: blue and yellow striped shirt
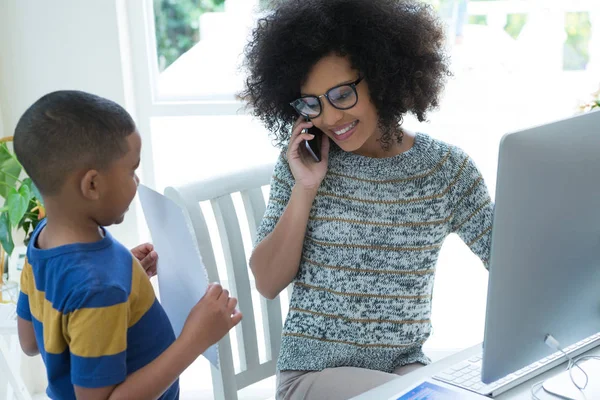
94, 313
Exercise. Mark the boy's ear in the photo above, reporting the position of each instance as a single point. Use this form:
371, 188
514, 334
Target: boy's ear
90, 185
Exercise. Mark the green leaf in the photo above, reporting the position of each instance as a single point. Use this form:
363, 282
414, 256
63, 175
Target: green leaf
27, 182
6, 234
10, 169
35, 193
26, 227
17, 206
25, 192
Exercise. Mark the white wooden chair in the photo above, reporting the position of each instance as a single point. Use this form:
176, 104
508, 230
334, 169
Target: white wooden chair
218, 191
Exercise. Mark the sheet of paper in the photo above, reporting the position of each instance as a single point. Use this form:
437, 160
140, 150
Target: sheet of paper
182, 278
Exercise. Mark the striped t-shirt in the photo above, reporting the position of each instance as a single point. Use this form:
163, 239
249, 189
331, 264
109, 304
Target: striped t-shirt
362, 295
94, 313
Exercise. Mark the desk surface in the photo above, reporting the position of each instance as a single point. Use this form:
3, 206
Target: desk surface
522, 391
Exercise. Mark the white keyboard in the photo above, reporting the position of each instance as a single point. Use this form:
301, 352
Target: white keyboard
467, 374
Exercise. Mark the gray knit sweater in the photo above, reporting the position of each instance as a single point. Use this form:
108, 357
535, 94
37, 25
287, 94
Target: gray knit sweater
362, 296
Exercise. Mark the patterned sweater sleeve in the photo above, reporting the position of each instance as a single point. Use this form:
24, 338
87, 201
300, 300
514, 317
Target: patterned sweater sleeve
279, 195
473, 209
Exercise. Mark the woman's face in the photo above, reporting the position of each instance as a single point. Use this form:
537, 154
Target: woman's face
355, 129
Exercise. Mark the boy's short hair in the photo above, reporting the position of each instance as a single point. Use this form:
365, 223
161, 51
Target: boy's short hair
69, 130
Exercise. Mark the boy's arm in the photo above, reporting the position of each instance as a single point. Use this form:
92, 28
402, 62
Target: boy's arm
151, 381
27, 337
24, 324
210, 319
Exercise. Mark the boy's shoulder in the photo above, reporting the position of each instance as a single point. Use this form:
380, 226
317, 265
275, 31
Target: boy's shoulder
102, 269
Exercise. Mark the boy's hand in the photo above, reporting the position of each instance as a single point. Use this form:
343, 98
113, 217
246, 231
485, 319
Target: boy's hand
147, 257
211, 318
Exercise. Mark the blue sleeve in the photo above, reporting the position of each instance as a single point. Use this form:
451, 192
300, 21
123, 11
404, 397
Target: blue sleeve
27, 285
97, 332
23, 310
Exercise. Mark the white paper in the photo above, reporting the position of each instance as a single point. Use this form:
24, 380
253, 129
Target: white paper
182, 278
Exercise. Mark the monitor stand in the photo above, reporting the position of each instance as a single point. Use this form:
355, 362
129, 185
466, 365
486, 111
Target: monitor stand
562, 386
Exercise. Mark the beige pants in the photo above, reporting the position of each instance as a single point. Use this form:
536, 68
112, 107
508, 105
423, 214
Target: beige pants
339, 383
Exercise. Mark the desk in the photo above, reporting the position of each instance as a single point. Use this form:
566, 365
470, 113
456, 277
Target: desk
520, 392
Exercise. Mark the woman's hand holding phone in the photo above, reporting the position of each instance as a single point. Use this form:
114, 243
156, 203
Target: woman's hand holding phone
307, 172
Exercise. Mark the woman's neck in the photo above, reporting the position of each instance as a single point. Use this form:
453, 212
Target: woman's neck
373, 147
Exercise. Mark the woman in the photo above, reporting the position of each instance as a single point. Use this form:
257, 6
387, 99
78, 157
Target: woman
360, 231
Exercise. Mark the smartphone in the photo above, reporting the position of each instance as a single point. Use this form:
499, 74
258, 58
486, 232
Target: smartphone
313, 147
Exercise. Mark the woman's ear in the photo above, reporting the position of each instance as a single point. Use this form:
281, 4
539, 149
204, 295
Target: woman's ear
90, 185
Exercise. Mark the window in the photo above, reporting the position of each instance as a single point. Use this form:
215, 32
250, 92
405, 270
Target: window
186, 60
202, 39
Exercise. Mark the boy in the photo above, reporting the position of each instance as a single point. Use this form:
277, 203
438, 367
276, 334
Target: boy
86, 304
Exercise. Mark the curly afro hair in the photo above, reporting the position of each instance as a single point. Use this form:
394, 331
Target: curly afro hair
397, 45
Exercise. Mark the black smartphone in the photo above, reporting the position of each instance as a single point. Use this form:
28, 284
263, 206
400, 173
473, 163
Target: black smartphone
313, 147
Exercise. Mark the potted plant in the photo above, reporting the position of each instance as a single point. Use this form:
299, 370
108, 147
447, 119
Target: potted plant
23, 208
592, 103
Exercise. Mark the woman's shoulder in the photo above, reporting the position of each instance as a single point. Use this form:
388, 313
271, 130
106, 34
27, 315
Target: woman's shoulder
458, 165
281, 169
449, 153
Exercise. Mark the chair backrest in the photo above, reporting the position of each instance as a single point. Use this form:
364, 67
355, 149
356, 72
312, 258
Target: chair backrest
218, 191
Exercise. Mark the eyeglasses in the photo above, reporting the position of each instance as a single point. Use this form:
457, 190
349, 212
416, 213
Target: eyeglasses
342, 97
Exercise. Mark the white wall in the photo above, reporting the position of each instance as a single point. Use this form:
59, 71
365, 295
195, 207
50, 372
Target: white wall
2, 134
61, 44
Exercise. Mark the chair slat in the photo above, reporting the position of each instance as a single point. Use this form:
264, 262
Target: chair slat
263, 371
237, 271
272, 324
222, 377
254, 204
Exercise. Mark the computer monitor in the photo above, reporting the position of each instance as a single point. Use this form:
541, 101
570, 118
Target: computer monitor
545, 253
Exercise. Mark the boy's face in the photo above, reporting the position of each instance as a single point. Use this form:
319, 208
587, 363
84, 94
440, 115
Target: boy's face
121, 184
